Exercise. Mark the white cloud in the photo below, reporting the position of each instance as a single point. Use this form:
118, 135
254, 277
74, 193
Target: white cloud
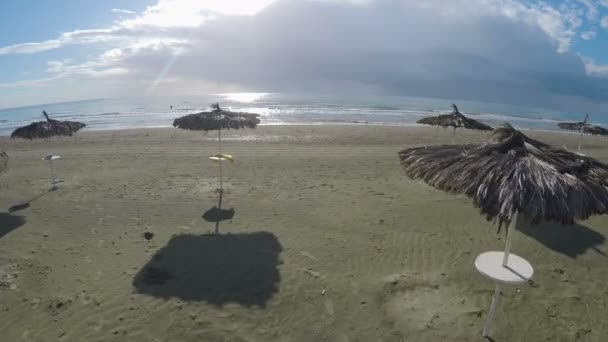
588, 35
560, 23
498, 50
604, 22
122, 11
595, 69
591, 9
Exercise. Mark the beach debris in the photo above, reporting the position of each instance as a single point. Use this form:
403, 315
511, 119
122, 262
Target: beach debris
308, 255
313, 273
456, 120
47, 129
148, 235
581, 333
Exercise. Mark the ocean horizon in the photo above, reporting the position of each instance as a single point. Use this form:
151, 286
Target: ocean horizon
282, 108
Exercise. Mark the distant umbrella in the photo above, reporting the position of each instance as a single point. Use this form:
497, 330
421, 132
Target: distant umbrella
47, 129
456, 120
514, 176
583, 127
3, 161
217, 119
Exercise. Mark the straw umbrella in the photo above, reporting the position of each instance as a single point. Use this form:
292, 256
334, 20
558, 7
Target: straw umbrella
455, 119
47, 129
514, 176
583, 127
218, 119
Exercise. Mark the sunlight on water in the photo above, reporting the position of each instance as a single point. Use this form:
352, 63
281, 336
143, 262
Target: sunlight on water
243, 97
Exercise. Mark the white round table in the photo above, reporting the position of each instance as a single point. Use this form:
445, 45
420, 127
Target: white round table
517, 271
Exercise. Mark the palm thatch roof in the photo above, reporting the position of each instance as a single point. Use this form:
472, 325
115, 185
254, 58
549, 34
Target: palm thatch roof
217, 119
454, 119
3, 161
584, 127
514, 173
47, 129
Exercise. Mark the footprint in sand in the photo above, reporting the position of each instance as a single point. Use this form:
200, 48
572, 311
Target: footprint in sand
329, 307
420, 309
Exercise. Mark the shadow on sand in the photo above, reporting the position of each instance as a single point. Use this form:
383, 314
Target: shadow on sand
26, 204
10, 222
218, 214
217, 269
571, 240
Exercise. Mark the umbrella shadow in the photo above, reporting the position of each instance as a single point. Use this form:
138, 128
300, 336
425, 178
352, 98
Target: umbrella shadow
570, 240
217, 269
9, 223
218, 214
26, 204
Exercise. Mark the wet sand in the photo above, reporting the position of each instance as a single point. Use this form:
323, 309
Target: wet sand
329, 242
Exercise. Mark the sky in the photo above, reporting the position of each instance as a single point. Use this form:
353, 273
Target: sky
551, 54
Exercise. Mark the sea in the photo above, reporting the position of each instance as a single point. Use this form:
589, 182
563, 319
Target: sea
280, 109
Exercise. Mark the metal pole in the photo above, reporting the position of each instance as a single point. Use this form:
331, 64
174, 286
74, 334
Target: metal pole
53, 178
512, 226
492, 312
580, 140
217, 223
219, 134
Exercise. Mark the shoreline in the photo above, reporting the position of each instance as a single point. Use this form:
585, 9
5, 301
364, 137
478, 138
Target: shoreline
88, 130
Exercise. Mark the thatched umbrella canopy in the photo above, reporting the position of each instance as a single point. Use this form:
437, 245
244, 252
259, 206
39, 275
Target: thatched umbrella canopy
583, 127
3, 161
514, 173
47, 129
454, 119
217, 119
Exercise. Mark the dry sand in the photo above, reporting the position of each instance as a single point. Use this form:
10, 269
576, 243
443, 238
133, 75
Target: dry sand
329, 242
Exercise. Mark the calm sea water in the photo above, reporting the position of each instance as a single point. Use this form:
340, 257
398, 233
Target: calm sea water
106, 114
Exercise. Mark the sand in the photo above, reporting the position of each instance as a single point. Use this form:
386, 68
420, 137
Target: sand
329, 242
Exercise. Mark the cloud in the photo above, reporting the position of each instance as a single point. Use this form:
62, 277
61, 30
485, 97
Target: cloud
122, 11
593, 68
604, 22
504, 51
588, 35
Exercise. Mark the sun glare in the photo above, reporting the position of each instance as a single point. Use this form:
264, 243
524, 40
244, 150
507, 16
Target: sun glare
243, 97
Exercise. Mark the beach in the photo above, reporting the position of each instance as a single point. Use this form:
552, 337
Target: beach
330, 241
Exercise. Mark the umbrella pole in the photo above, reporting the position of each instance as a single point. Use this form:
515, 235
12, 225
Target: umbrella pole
580, 141
492, 312
512, 226
217, 223
219, 135
53, 178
